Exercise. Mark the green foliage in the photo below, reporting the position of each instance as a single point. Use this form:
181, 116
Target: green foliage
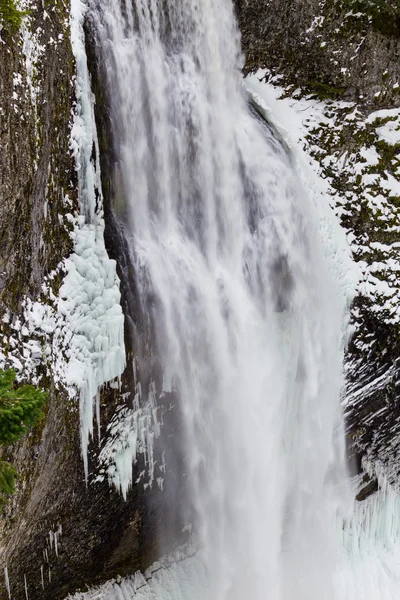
7, 480
10, 16
20, 408
324, 91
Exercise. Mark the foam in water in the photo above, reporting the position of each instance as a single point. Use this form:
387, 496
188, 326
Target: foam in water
248, 313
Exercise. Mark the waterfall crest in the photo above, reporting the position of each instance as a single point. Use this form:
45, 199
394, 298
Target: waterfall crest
246, 311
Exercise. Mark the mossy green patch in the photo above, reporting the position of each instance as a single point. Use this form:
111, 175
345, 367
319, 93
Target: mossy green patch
10, 16
324, 91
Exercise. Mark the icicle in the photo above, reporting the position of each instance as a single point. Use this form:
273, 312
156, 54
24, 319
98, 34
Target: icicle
7, 580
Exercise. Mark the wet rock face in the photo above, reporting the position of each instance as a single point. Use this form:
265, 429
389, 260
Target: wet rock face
15, 163
272, 31
329, 46
37, 174
37, 190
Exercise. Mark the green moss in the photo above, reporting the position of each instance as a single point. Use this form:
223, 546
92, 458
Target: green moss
324, 91
389, 155
10, 16
20, 407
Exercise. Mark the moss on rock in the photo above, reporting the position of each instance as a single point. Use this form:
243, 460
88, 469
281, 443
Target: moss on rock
10, 16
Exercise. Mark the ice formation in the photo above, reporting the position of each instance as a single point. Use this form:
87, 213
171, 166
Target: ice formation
90, 293
184, 579
131, 432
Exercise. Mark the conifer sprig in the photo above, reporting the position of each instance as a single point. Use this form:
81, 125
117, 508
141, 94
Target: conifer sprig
20, 408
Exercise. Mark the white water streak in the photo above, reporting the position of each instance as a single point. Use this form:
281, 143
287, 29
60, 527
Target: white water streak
249, 314
249, 317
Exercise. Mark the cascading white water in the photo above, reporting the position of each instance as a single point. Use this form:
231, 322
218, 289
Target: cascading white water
247, 312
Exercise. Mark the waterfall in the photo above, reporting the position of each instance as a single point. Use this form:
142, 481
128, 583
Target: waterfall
247, 314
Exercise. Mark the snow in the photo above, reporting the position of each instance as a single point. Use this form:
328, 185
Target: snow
389, 132
317, 22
